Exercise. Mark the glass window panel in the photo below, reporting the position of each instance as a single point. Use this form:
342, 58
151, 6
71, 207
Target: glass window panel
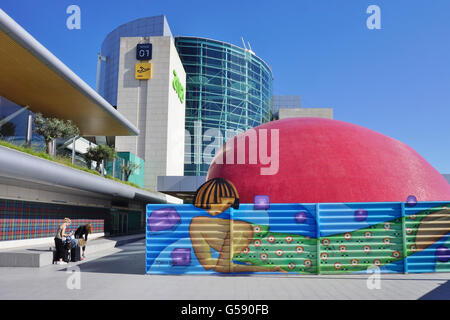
213, 53
195, 51
189, 59
191, 69
215, 89
216, 81
211, 71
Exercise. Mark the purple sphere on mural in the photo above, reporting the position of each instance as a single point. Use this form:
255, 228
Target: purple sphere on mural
411, 201
300, 217
443, 254
163, 219
262, 202
361, 215
181, 256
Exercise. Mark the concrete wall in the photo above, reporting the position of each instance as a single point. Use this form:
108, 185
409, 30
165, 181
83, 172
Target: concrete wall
27, 191
305, 112
153, 106
176, 116
291, 101
291, 107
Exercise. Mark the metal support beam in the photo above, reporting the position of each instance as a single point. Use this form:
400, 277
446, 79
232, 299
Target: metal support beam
100, 58
114, 168
123, 172
13, 115
53, 147
29, 130
74, 140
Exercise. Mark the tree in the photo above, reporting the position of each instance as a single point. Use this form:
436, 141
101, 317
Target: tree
98, 154
53, 128
128, 168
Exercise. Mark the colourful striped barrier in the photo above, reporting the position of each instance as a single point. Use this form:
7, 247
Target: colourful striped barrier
325, 238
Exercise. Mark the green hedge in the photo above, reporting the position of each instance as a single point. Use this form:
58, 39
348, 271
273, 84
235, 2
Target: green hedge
61, 160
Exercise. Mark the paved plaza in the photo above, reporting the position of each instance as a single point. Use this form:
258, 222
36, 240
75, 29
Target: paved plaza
118, 273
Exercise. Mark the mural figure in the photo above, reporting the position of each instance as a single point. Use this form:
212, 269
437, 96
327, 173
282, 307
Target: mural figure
216, 196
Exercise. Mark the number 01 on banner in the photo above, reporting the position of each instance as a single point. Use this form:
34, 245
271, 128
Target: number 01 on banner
143, 71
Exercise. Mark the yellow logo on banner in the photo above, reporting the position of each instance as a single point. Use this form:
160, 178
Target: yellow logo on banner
143, 71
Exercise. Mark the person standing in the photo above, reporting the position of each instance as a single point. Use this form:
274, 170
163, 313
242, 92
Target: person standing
59, 244
83, 231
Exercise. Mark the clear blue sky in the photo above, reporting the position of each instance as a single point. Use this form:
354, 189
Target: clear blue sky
395, 80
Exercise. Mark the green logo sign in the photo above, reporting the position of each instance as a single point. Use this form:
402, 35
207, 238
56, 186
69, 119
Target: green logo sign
176, 83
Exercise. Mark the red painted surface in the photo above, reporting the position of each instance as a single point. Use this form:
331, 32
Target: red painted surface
322, 160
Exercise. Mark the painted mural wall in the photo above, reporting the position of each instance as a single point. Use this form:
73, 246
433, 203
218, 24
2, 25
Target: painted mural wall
325, 238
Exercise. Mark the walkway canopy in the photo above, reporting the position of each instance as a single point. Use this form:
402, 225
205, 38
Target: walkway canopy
32, 76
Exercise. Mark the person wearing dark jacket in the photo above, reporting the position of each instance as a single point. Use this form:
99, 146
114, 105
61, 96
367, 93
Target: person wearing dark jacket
82, 232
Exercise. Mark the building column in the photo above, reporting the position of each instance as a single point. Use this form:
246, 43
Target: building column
73, 148
29, 129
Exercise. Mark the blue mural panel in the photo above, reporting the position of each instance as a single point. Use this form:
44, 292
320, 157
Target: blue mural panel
299, 238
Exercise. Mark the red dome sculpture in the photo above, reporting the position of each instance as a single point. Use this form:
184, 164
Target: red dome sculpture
322, 160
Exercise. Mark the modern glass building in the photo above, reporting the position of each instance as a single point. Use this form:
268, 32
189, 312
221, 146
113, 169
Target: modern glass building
227, 88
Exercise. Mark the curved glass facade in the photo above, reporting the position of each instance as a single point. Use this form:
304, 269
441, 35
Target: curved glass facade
227, 88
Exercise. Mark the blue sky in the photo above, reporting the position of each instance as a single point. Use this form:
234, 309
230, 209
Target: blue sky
395, 80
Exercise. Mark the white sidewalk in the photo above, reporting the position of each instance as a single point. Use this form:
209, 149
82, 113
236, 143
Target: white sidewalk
119, 273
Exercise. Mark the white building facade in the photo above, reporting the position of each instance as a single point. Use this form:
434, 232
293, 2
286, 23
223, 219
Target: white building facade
154, 106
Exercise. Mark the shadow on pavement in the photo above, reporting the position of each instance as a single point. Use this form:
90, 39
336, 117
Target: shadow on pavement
440, 293
131, 260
